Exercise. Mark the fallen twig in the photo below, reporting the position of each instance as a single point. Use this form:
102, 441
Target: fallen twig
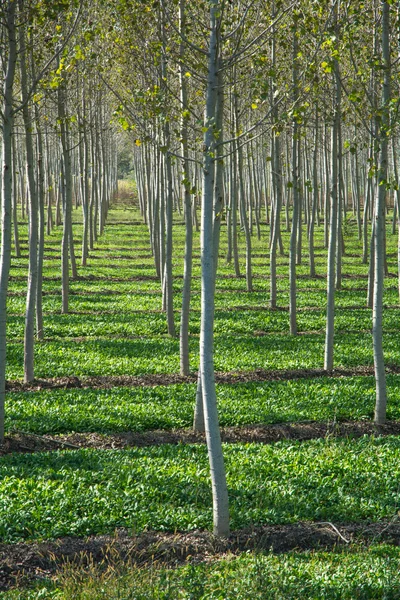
336, 530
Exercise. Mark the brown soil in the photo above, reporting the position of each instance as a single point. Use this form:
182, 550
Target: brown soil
23, 563
230, 377
25, 442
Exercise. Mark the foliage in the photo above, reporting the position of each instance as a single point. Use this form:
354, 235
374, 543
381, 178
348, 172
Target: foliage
352, 574
170, 407
82, 492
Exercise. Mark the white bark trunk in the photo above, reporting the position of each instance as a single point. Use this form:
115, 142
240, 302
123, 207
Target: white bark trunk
296, 198
29, 336
330, 309
379, 237
5, 252
218, 477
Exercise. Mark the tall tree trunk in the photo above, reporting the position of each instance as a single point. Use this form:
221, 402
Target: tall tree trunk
242, 199
41, 227
29, 336
218, 477
293, 234
358, 193
84, 166
67, 192
327, 188
168, 240
397, 206
379, 218
314, 206
295, 190
276, 223
9, 32
340, 198
330, 308
198, 419
17, 249
186, 187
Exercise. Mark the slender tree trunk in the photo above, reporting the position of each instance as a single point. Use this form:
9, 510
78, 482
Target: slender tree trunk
330, 309
276, 179
9, 31
84, 160
340, 199
379, 237
168, 242
327, 188
242, 201
358, 193
218, 478
314, 197
198, 419
67, 203
41, 227
276, 223
93, 188
17, 250
29, 336
49, 188
367, 203
397, 206
293, 235
295, 190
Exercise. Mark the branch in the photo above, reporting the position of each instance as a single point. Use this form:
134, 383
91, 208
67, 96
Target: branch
335, 529
47, 65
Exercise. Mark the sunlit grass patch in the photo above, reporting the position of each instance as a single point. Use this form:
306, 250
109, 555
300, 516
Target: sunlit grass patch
82, 492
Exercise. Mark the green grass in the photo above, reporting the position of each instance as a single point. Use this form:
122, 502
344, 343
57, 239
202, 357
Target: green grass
86, 491
356, 574
239, 352
117, 320
105, 312
168, 407
115, 310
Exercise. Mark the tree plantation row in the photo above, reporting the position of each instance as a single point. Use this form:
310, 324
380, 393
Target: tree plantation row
258, 112
102, 439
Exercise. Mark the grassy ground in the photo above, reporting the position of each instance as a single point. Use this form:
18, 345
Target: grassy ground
116, 327
342, 575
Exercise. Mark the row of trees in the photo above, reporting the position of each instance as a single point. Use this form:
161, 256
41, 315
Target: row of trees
57, 146
263, 110
327, 121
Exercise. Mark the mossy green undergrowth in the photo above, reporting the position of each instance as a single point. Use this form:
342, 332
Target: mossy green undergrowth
83, 492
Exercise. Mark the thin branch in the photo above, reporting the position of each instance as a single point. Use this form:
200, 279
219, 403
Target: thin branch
54, 56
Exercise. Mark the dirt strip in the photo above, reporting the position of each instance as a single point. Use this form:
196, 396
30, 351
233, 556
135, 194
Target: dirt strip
230, 377
25, 442
24, 563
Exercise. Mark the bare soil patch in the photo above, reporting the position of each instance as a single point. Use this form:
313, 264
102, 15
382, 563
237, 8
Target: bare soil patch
24, 563
26, 442
230, 377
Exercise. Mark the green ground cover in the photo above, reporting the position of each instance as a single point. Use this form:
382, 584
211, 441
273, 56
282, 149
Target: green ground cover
356, 574
49, 495
112, 321
120, 356
116, 298
168, 407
